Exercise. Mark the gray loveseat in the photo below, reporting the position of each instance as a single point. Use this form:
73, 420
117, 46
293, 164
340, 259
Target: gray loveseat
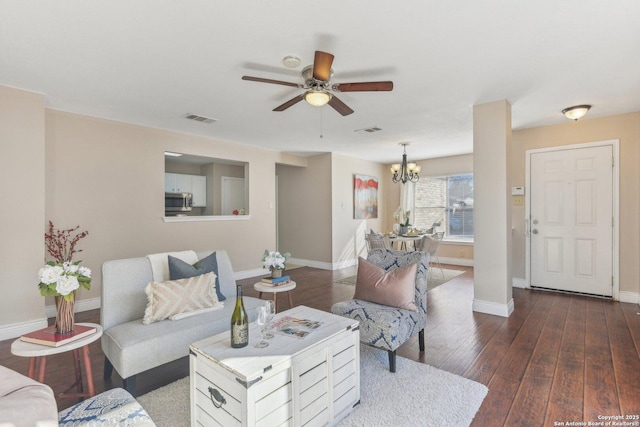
132, 347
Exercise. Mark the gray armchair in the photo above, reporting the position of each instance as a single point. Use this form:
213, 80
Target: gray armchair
387, 327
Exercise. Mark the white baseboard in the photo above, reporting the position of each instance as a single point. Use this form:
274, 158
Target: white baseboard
238, 275
488, 307
518, 282
80, 306
315, 264
456, 261
344, 264
632, 297
14, 330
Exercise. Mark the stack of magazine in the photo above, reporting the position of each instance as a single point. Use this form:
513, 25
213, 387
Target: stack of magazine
294, 327
276, 281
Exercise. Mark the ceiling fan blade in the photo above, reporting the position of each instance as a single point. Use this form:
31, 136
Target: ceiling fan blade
275, 82
289, 103
340, 106
322, 66
363, 87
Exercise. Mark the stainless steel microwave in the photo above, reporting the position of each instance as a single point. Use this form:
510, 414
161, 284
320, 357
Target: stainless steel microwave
176, 203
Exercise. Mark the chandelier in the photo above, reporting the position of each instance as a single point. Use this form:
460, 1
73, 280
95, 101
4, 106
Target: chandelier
406, 171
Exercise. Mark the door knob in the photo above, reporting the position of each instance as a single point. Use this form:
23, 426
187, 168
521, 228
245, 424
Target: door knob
535, 221
534, 231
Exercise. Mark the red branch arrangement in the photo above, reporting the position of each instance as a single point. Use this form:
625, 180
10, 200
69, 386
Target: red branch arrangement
61, 244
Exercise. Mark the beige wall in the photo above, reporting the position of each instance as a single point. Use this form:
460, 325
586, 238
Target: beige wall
626, 128
347, 232
315, 209
460, 253
22, 218
304, 209
108, 177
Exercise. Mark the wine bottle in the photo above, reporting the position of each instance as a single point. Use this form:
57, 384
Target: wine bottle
239, 323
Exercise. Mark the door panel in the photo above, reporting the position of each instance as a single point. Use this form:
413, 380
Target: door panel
571, 220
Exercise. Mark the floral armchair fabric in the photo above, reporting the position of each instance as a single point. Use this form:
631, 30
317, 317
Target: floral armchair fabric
387, 327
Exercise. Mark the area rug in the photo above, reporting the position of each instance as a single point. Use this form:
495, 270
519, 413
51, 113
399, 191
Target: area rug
434, 280
417, 394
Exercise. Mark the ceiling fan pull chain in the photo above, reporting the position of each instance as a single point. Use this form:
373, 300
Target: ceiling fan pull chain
321, 136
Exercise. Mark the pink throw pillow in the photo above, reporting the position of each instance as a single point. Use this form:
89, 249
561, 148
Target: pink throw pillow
395, 288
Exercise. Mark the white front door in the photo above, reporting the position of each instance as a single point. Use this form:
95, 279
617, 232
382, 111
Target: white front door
571, 220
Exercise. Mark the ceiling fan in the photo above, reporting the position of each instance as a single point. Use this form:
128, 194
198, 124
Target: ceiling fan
318, 87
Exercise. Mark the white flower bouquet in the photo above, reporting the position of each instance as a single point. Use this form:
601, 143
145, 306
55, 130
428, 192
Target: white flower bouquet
63, 279
274, 260
62, 276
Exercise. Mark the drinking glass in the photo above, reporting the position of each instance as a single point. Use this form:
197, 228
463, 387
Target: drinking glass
271, 312
261, 321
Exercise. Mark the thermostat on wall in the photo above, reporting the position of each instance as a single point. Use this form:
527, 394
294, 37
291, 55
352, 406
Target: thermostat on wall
517, 191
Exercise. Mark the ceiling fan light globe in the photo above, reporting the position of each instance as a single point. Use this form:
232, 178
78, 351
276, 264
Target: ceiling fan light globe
317, 98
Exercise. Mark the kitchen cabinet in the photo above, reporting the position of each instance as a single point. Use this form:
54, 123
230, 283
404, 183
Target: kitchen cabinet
184, 183
177, 183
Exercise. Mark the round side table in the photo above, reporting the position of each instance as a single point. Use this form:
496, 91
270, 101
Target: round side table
38, 352
275, 290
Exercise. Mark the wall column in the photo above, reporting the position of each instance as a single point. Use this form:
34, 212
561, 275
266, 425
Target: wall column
21, 226
492, 216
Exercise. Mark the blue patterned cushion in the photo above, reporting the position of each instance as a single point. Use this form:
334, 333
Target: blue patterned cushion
114, 407
383, 326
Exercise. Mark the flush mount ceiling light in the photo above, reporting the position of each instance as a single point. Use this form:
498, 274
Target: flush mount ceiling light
291, 61
317, 98
576, 112
406, 171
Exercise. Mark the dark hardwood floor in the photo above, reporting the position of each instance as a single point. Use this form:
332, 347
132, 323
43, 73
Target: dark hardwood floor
557, 359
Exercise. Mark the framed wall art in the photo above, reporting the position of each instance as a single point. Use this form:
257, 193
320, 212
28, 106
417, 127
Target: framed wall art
365, 197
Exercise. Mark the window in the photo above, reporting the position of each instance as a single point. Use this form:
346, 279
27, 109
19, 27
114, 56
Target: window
447, 200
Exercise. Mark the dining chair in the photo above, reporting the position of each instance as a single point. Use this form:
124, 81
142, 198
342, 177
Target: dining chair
376, 241
431, 244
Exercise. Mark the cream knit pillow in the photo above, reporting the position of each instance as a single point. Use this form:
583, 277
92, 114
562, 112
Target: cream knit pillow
174, 297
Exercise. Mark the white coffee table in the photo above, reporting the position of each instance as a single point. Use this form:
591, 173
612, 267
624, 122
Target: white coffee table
293, 381
38, 353
275, 290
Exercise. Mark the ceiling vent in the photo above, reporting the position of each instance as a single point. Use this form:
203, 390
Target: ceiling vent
200, 118
368, 130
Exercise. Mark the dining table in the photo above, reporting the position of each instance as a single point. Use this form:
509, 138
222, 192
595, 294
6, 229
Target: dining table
403, 239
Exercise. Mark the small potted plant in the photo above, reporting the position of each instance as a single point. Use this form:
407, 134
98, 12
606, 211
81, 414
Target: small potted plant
275, 262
